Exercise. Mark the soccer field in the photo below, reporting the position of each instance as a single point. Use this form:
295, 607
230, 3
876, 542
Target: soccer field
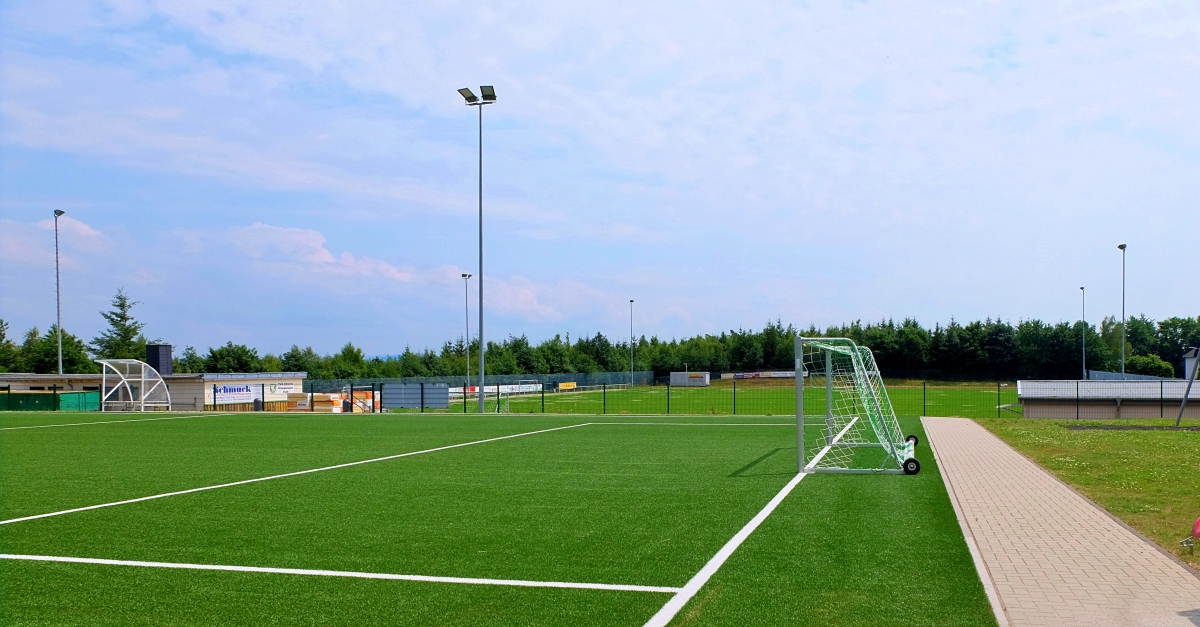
463, 520
755, 398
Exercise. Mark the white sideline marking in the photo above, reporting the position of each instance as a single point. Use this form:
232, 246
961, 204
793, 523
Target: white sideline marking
693, 586
668, 611
344, 573
286, 474
102, 422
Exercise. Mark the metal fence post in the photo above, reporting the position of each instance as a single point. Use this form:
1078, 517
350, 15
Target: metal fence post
422, 397
668, 398
311, 398
924, 402
1160, 398
543, 388
604, 397
735, 397
997, 399
1076, 400
57, 403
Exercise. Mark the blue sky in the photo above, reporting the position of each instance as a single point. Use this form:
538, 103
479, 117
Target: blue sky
304, 172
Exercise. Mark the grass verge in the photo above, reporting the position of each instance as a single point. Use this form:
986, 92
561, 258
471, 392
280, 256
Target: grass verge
1148, 479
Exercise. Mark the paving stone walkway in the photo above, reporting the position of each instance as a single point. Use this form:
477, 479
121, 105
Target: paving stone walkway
1047, 554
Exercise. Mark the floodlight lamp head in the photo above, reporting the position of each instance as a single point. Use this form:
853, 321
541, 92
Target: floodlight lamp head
468, 95
1121, 246
489, 93
58, 212
467, 276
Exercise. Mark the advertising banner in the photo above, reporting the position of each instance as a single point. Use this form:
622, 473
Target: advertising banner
232, 393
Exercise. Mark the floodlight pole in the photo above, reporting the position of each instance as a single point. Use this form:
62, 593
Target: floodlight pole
58, 289
489, 96
631, 344
1083, 331
1122, 247
467, 316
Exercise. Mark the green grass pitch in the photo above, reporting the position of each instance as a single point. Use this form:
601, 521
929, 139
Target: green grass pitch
757, 398
643, 504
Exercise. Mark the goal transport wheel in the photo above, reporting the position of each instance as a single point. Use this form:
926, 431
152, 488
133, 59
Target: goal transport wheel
914, 439
911, 466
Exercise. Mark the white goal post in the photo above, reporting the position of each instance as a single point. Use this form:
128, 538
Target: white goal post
852, 427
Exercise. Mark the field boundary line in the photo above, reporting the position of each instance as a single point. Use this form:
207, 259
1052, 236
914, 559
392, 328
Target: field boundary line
343, 573
981, 567
283, 475
108, 422
676, 603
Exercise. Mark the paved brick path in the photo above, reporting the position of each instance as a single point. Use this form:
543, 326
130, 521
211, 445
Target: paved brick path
1052, 557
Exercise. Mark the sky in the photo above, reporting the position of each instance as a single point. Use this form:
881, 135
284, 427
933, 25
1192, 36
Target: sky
305, 172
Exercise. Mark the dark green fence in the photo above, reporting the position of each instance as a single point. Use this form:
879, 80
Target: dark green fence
775, 397
49, 401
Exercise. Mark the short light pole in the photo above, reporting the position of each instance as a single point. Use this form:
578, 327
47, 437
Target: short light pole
1122, 248
467, 316
630, 343
1083, 331
489, 97
58, 288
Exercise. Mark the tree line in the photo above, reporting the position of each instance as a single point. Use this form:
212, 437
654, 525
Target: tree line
979, 350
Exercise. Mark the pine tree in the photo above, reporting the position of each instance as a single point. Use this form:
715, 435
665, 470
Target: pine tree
123, 339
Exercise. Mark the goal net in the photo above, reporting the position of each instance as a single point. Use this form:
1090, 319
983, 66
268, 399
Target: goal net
844, 418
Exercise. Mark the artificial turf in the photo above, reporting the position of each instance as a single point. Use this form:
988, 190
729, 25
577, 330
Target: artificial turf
637, 504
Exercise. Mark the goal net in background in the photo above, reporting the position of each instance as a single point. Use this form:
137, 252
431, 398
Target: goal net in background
844, 419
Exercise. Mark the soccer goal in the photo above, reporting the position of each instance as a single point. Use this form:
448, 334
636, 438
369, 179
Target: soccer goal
844, 419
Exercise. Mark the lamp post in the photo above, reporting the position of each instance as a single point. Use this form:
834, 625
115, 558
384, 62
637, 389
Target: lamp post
1122, 248
1083, 331
467, 316
631, 344
58, 289
489, 97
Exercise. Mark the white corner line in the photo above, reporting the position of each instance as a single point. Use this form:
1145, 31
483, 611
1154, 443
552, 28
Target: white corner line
676, 603
343, 573
281, 476
981, 568
109, 422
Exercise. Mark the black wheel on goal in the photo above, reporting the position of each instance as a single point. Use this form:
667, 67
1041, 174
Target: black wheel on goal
914, 439
911, 466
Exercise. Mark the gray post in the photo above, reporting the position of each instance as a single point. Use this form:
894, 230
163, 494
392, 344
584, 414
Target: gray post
1083, 331
482, 346
58, 289
1122, 247
1187, 393
799, 404
828, 397
630, 344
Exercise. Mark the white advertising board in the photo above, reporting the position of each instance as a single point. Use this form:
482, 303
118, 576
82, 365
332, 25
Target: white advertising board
231, 393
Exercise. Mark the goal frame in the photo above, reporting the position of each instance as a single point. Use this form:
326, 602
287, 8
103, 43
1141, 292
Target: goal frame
899, 449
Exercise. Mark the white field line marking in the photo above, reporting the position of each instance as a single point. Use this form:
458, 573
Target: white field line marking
344, 573
693, 586
825, 450
668, 611
106, 422
286, 474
